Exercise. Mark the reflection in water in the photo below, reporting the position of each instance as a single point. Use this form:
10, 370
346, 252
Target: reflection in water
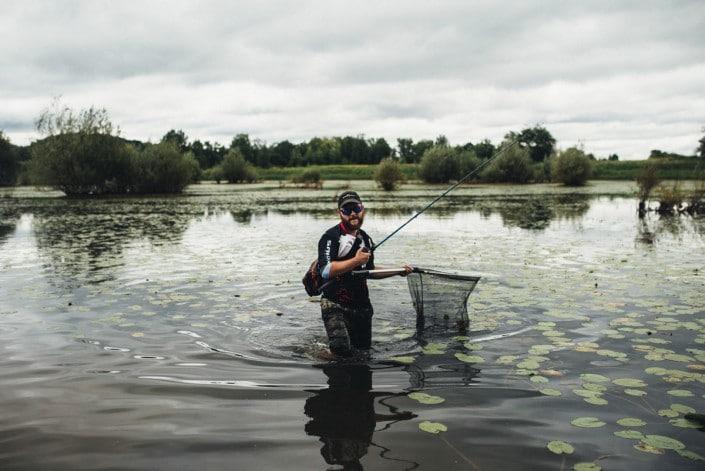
84, 247
344, 415
537, 212
656, 226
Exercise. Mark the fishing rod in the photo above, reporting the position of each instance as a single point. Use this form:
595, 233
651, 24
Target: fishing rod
453, 187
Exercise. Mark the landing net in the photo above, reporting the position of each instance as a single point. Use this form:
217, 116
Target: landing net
440, 299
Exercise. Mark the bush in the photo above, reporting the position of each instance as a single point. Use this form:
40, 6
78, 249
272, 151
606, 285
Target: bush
388, 174
670, 197
513, 166
214, 173
439, 164
236, 169
162, 168
467, 162
571, 167
308, 177
9, 166
647, 180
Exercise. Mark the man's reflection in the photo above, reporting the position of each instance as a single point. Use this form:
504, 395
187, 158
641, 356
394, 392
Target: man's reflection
344, 416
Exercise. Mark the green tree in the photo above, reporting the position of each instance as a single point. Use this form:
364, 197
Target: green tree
388, 174
571, 167
613, 157
537, 140
513, 166
354, 150
484, 150
235, 169
439, 164
163, 168
700, 151
9, 165
281, 153
406, 149
242, 143
441, 140
379, 150
178, 138
420, 149
81, 153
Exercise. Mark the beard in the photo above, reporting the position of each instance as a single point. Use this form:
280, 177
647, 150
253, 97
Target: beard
353, 224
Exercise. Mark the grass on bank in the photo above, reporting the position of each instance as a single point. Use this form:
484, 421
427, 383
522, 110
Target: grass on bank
669, 169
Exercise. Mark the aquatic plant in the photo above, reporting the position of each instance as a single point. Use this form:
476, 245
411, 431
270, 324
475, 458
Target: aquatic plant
571, 167
388, 175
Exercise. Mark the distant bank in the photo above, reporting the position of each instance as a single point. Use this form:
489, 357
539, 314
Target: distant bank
669, 169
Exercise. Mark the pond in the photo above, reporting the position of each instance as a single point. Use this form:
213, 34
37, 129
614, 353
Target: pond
174, 332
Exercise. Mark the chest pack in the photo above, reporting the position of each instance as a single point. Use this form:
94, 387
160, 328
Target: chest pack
313, 280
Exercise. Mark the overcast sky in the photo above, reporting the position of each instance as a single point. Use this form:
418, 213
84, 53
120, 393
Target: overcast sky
617, 77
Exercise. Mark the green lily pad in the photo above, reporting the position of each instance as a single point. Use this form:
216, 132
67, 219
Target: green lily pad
631, 422
528, 365
587, 422
596, 401
586, 467
649, 449
663, 442
685, 423
469, 358
668, 413
538, 379
506, 359
432, 427
629, 434
682, 408
635, 392
594, 387
690, 455
629, 382
594, 378
680, 393
550, 392
424, 398
559, 447
585, 393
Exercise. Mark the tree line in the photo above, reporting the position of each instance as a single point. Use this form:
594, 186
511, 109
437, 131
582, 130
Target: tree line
83, 153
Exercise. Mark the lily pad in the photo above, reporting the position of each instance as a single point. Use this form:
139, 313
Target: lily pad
629, 434
432, 427
668, 413
663, 442
596, 401
539, 379
560, 447
685, 423
629, 382
424, 398
682, 408
586, 467
550, 392
631, 422
649, 449
593, 378
680, 393
635, 392
469, 358
587, 422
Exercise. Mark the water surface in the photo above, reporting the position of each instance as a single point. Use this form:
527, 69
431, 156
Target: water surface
173, 332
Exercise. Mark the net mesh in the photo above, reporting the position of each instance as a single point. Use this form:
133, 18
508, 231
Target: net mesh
440, 299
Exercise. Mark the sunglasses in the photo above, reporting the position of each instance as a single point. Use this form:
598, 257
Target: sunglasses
348, 210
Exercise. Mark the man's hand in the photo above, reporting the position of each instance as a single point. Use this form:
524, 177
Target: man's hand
362, 256
407, 269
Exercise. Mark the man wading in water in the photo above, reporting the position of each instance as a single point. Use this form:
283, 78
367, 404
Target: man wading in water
345, 304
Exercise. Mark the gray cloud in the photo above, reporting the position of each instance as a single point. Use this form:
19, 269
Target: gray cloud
620, 77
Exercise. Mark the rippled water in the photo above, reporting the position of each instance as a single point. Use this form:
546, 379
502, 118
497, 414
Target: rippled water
173, 332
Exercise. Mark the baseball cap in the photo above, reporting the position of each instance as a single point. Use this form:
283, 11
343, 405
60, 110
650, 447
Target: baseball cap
348, 197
